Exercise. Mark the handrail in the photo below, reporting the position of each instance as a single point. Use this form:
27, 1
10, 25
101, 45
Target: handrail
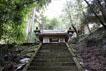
27, 65
79, 66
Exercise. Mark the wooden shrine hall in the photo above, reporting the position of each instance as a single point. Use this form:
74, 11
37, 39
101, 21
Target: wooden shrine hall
53, 36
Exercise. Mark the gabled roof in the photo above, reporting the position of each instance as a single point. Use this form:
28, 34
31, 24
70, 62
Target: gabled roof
53, 33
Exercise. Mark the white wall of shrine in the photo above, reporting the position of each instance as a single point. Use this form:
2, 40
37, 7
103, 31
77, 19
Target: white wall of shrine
47, 40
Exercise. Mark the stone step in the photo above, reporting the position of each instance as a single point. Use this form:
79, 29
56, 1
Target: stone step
52, 48
56, 60
49, 68
52, 63
53, 57
52, 53
55, 70
52, 70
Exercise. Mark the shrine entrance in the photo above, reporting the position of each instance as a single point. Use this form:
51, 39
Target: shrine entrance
53, 39
48, 36
53, 36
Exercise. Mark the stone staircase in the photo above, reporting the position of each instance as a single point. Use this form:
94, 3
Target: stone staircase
53, 57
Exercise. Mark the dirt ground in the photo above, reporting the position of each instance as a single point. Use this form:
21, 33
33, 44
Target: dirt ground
11, 55
91, 50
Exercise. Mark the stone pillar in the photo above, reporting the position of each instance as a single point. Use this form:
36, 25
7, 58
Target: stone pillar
37, 32
70, 33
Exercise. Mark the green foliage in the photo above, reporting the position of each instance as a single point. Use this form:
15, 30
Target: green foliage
12, 17
51, 23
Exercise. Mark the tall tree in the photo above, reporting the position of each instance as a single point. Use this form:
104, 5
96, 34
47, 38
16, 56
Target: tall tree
96, 15
13, 13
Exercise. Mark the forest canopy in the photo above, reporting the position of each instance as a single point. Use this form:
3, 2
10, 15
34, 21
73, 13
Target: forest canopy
12, 18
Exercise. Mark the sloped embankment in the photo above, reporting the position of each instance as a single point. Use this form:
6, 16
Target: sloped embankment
15, 56
92, 50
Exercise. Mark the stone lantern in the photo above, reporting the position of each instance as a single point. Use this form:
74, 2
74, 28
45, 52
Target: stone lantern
37, 32
70, 33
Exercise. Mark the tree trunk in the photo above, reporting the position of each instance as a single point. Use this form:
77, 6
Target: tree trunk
75, 30
105, 3
88, 28
95, 14
102, 10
